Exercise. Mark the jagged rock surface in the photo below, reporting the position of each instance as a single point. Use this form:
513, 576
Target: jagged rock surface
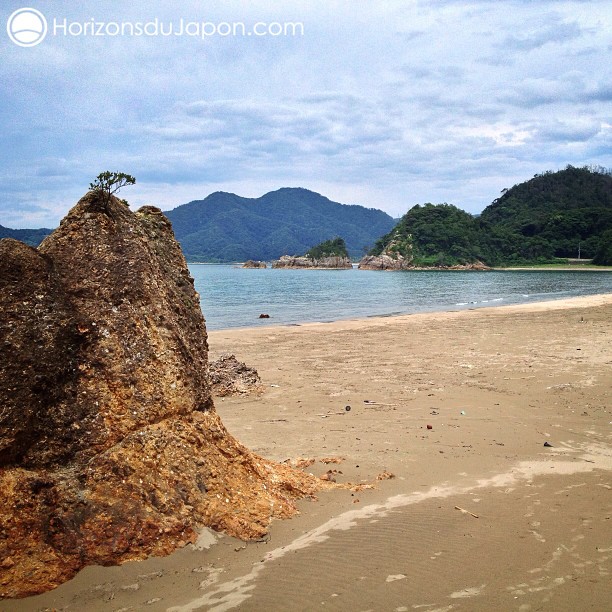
228, 376
390, 259
334, 262
110, 446
385, 262
475, 265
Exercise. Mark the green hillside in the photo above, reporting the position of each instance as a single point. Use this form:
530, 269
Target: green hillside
550, 216
227, 227
434, 234
541, 220
603, 257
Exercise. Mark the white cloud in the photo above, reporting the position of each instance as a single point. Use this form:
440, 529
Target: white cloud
384, 104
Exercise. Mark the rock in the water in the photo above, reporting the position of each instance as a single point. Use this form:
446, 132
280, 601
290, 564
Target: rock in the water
398, 262
385, 262
333, 262
475, 265
396, 255
254, 264
110, 445
228, 376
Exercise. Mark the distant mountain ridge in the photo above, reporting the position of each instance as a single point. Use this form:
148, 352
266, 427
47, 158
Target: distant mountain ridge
227, 227
33, 237
550, 216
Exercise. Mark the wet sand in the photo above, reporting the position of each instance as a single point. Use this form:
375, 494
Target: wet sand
480, 514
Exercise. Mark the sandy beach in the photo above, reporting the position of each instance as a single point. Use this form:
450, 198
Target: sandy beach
452, 410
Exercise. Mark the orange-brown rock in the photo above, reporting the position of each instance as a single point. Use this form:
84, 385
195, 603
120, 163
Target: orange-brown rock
228, 376
254, 264
398, 262
332, 262
110, 446
475, 265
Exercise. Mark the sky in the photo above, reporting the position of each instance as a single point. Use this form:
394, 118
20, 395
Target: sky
380, 103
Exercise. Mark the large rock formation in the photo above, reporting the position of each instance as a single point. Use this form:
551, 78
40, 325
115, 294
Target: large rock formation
397, 255
384, 262
475, 265
254, 264
330, 254
110, 446
334, 262
387, 262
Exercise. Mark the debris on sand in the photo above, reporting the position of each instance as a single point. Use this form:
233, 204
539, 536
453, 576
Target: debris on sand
228, 376
327, 460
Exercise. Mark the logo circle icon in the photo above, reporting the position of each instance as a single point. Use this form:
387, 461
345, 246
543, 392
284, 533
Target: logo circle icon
26, 27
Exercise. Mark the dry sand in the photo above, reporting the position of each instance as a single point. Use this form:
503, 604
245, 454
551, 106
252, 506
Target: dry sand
480, 514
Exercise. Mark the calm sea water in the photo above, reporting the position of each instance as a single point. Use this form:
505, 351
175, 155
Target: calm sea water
235, 297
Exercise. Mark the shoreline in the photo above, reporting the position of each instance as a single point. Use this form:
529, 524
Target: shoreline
536, 268
559, 268
494, 383
573, 302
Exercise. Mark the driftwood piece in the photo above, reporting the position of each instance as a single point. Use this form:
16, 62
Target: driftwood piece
466, 511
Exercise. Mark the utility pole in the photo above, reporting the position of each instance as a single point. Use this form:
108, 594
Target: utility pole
579, 249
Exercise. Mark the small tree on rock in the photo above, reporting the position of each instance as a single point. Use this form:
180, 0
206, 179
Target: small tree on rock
108, 183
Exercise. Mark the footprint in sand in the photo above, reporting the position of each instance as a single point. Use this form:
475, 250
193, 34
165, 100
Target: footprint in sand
538, 536
395, 577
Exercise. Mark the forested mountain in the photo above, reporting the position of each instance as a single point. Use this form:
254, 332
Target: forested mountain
227, 227
33, 237
547, 217
550, 216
